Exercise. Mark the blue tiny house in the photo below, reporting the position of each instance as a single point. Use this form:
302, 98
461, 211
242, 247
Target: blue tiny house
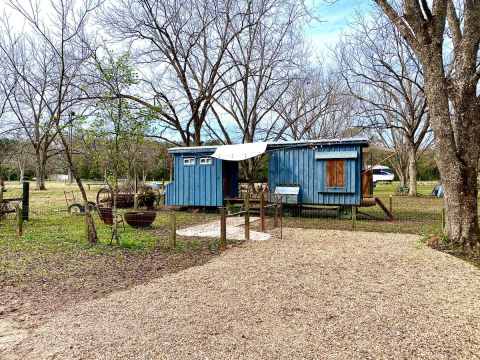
328, 172
199, 179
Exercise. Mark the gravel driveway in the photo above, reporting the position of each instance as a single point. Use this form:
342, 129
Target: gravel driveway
313, 295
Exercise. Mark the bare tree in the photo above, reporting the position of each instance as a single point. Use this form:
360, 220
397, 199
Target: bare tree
382, 72
26, 76
445, 36
63, 36
264, 58
185, 44
313, 107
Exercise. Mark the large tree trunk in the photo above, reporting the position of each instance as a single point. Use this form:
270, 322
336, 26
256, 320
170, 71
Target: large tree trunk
457, 154
461, 194
412, 171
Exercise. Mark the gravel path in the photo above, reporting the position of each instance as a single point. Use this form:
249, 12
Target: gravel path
313, 295
235, 230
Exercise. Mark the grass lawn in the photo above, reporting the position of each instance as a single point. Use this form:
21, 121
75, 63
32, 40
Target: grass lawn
416, 215
52, 265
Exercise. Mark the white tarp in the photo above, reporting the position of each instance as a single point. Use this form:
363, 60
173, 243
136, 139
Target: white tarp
240, 152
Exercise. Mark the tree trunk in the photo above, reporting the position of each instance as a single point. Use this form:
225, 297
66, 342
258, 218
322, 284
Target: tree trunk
402, 178
461, 194
114, 212
412, 171
457, 154
91, 230
40, 172
21, 169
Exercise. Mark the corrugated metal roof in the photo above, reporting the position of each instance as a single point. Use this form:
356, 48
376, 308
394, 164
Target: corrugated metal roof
275, 145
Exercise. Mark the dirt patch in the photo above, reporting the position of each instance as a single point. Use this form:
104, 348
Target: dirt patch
57, 282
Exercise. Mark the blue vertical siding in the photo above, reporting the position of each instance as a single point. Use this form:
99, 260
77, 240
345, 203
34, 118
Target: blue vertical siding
196, 185
297, 165
202, 185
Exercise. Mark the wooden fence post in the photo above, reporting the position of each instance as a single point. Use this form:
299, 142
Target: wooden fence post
247, 216
173, 230
18, 212
26, 200
262, 211
281, 220
275, 217
223, 228
354, 218
390, 204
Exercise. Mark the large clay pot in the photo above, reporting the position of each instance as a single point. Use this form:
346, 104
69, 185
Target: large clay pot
140, 219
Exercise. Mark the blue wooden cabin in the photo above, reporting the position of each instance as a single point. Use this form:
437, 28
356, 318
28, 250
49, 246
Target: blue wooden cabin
328, 172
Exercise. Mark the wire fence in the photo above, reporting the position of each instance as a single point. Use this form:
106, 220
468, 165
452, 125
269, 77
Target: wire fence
50, 214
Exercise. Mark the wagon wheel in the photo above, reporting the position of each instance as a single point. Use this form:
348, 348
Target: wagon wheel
76, 209
104, 197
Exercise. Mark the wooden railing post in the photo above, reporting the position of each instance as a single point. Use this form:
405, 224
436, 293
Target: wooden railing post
173, 230
247, 216
223, 228
275, 217
262, 211
281, 220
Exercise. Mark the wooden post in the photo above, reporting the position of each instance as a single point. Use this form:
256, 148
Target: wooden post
390, 204
18, 212
262, 211
275, 217
173, 230
281, 220
223, 228
1, 193
354, 218
247, 216
25, 200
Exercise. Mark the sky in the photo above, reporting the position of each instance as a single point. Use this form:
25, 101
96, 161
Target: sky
334, 17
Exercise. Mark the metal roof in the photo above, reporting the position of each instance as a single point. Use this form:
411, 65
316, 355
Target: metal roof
276, 145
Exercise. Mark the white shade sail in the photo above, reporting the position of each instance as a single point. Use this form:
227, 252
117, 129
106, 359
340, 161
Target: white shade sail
240, 152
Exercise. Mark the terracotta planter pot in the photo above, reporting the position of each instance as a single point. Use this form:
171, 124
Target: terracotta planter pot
140, 219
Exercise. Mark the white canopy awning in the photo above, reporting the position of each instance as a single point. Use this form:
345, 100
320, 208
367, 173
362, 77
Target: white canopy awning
240, 152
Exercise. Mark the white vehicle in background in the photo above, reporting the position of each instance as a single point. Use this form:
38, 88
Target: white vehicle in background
382, 174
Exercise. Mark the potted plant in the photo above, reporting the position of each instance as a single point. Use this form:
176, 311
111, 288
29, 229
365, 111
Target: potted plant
147, 199
140, 219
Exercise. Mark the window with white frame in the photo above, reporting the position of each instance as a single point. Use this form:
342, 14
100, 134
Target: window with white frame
188, 161
206, 161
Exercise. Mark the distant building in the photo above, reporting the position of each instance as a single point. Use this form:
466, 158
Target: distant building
58, 177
